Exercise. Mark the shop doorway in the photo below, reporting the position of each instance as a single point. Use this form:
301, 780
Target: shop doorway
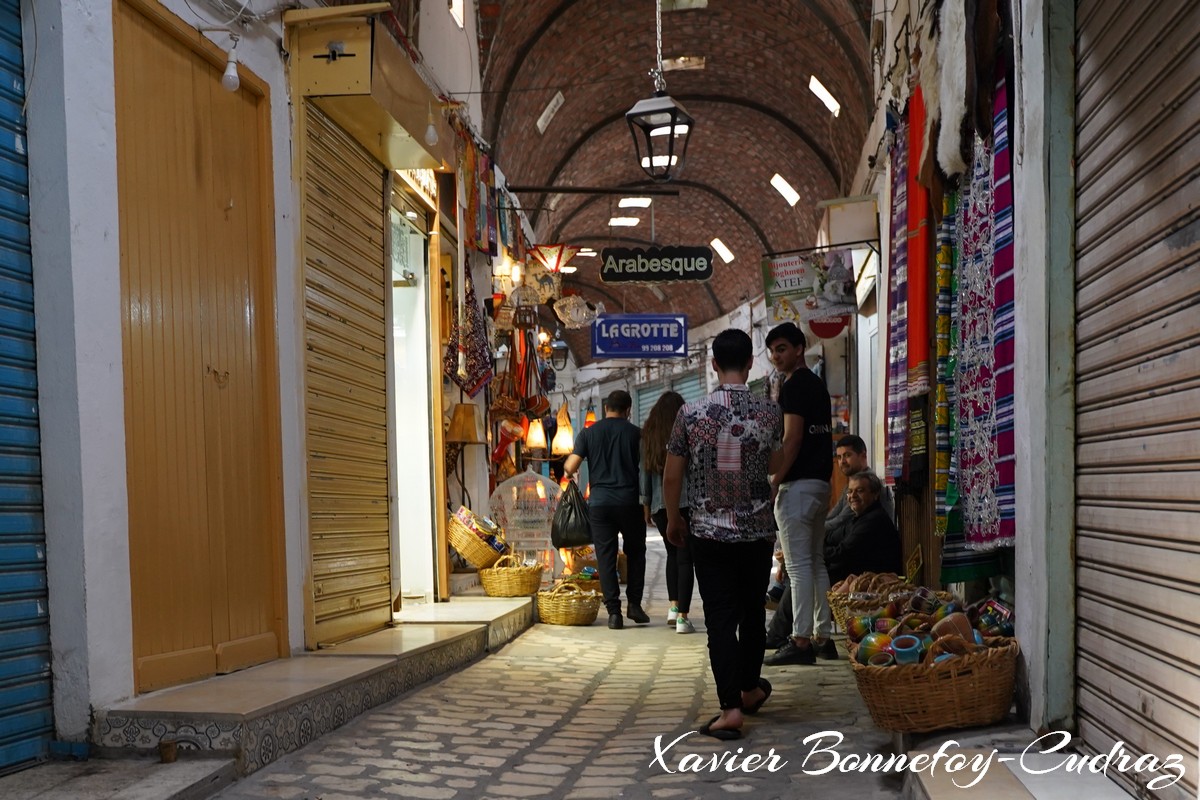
201, 398
413, 371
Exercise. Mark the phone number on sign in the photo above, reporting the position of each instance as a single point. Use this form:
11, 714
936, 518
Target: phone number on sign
657, 348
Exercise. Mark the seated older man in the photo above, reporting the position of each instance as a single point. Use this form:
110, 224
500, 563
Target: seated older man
871, 543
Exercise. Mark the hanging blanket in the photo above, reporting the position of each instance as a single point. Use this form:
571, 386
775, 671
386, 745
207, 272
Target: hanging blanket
897, 374
984, 377
945, 376
920, 265
1005, 344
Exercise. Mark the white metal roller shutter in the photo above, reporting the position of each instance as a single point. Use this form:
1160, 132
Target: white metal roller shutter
645, 397
690, 386
346, 392
1138, 379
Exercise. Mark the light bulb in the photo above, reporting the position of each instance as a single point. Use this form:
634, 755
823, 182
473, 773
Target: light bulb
431, 131
230, 80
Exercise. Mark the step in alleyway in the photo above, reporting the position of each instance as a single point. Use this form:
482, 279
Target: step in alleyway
569, 712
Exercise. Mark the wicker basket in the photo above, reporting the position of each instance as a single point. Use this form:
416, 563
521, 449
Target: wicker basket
847, 606
476, 551
566, 604
584, 584
509, 579
960, 692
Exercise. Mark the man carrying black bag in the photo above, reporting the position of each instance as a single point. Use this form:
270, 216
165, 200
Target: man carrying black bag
611, 448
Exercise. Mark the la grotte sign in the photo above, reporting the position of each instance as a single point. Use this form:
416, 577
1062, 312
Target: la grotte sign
640, 336
655, 265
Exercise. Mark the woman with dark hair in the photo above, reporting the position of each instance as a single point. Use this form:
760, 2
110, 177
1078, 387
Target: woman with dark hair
681, 576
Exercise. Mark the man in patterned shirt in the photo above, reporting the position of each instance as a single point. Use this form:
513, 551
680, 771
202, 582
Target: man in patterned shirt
723, 444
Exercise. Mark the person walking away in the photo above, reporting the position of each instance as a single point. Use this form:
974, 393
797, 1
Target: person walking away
800, 472
681, 577
871, 542
722, 445
850, 456
611, 448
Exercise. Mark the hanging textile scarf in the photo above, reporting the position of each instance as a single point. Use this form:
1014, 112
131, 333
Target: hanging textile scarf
984, 379
1005, 344
483, 196
920, 265
945, 375
897, 374
469, 187
468, 360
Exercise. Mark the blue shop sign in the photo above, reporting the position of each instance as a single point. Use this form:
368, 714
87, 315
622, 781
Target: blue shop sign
639, 336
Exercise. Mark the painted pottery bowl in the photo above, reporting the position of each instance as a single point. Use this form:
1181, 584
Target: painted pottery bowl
858, 627
873, 643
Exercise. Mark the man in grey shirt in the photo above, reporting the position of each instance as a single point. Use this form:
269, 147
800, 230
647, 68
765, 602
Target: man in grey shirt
851, 458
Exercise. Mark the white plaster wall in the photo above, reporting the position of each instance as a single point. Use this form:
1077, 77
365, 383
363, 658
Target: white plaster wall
77, 295
452, 54
72, 150
1043, 183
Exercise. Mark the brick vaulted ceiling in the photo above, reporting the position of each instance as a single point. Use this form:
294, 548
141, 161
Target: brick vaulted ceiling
755, 116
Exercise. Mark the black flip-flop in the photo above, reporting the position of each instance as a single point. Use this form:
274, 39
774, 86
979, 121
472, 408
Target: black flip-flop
765, 685
724, 734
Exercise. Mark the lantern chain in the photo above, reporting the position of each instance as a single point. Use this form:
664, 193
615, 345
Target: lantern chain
660, 84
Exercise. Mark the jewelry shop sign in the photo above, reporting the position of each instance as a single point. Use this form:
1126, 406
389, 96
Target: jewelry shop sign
640, 336
655, 265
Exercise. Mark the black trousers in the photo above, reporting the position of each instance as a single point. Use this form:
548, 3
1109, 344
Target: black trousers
733, 579
681, 573
781, 623
630, 522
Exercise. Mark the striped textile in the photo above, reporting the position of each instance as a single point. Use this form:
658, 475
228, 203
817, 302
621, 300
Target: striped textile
984, 370
944, 387
1005, 349
897, 373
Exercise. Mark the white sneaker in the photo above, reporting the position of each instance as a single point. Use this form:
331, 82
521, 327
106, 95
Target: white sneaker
684, 625
672, 615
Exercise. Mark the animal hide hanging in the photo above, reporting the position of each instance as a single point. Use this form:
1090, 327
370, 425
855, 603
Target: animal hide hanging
929, 79
952, 94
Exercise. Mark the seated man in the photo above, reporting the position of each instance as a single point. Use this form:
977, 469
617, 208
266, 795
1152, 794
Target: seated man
851, 458
871, 543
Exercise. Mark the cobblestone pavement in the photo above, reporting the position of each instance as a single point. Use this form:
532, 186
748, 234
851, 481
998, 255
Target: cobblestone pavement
569, 712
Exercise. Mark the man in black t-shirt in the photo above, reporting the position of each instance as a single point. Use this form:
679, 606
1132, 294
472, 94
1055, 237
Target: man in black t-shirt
612, 448
800, 471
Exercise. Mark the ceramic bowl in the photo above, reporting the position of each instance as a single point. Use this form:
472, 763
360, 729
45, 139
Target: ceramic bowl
873, 643
858, 627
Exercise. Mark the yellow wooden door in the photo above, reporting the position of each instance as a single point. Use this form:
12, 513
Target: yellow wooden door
345, 280
200, 394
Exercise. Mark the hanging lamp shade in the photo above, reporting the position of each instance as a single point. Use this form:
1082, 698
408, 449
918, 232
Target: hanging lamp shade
464, 425
589, 419
554, 256
535, 439
564, 437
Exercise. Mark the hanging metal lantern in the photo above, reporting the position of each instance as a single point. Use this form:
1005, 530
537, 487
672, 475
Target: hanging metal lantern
661, 126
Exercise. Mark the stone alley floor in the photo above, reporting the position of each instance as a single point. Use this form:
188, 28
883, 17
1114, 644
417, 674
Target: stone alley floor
572, 712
